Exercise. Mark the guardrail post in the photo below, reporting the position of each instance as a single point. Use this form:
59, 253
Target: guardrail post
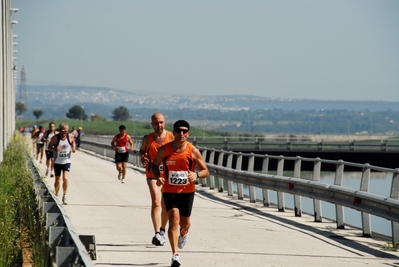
265, 192
297, 199
364, 186
317, 202
395, 195
280, 195
384, 145
220, 163
252, 191
203, 181
226, 144
339, 209
212, 177
228, 165
240, 187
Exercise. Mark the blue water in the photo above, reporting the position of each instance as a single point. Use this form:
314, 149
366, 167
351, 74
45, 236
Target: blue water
380, 184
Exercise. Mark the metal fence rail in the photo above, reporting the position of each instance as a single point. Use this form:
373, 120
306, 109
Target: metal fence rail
64, 246
228, 165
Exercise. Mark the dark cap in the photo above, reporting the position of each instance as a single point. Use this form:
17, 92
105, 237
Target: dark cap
181, 123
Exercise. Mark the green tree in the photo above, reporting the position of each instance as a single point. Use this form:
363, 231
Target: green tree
121, 114
77, 112
20, 108
97, 117
37, 113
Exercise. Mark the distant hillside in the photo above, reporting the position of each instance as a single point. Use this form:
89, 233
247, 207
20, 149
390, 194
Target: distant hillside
43, 96
242, 113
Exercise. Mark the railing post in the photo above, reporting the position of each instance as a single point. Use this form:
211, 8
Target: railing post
265, 192
203, 181
220, 163
364, 187
280, 195
228, 165
297, 199
317, 202
395, 195
252, 191
212, 177
226, 144
240, 187
339, 209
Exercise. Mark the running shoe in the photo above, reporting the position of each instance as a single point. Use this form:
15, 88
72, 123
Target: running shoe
119, 176
64, 200
175, 261
163, 237
47, 171
123, 181
182, 241
158, 240
52, 175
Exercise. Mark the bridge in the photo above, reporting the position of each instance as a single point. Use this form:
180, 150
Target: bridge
230, 227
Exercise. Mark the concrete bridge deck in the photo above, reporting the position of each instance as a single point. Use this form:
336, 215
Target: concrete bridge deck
225, 231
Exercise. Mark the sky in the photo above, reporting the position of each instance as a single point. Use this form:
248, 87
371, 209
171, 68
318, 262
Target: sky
288, 49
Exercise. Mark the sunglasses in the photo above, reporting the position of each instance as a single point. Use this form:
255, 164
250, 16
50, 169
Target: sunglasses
64, 131
178, 130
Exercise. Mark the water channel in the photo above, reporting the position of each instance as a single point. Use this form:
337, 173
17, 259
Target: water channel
380, 184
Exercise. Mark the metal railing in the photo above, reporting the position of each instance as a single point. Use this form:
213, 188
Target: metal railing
286, 143
228, 165
63, 246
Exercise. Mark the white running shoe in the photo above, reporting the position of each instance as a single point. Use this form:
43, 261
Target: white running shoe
64, 200
163, 235
182, 241
175, 261
123, 181
158, 240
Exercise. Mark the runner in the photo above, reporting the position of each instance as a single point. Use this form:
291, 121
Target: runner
63, 144
179, 159
49, 152
148, 151
120, 143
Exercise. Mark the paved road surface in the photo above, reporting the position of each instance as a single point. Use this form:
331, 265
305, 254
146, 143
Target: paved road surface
225, 231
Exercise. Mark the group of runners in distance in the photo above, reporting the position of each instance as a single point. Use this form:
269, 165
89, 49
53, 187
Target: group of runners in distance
172, 166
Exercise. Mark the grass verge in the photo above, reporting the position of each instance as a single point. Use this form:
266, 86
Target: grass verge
21, 232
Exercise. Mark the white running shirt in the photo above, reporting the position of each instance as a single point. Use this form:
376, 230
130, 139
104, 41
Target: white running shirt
64, 155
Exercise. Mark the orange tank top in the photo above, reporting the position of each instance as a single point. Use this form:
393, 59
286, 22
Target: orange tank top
176, 166
153, 150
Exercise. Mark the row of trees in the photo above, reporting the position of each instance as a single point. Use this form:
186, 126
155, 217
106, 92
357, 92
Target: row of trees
120, 113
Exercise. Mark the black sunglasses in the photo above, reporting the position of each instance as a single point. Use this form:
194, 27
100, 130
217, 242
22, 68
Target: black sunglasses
178, 130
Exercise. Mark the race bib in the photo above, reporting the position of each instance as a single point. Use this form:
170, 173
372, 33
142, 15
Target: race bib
121, 149
63, 154
161, 167
178, 177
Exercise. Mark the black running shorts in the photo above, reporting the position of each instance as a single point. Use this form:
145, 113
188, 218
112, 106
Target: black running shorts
121, 157
182, 201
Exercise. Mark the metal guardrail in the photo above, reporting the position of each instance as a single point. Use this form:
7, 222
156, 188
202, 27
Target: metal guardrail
228, 165
64, 247
284, 143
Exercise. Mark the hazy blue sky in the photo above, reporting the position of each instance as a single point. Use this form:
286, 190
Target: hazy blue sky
315, 49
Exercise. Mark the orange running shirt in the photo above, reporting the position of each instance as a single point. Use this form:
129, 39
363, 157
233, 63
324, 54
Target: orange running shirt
153, 150
176, 166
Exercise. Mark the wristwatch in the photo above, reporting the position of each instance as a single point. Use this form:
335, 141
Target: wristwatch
198, 175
